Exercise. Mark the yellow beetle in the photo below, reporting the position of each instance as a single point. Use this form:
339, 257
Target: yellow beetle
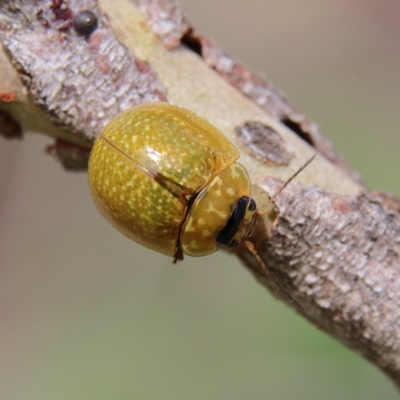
169, 180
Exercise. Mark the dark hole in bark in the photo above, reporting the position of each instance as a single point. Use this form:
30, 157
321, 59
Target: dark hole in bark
296, 128
192, 43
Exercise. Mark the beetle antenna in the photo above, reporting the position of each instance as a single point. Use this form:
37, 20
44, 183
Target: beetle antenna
270, 274
265, 207
292, 177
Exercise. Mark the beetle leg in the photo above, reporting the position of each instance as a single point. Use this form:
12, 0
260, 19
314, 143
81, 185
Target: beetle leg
178, 256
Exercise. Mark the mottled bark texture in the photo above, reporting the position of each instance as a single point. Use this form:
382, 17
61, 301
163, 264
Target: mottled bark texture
78, 81
167, 19
339, 256
333, 245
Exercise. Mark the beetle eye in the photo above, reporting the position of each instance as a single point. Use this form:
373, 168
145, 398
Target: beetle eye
252, 205
233, 244
226, 235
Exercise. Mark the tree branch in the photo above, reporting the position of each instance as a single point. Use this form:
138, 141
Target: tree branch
332, 244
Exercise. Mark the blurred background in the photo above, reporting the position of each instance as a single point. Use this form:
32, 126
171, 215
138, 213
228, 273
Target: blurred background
87, 314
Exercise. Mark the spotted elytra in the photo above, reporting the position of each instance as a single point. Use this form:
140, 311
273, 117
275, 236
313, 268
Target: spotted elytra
169, 180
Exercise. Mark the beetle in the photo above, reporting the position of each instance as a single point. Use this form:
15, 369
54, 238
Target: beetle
170, 181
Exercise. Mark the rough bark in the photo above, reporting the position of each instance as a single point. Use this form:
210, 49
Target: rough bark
333, 245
